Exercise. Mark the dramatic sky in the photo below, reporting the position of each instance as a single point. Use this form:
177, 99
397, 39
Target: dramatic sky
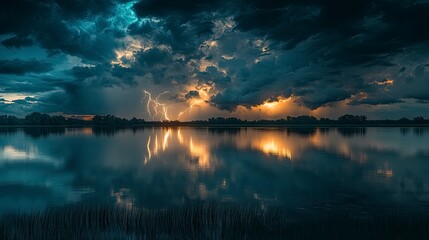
243, 58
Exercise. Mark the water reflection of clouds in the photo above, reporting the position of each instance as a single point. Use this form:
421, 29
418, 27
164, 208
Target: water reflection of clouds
157, 167
10, 154
380, 152
270, 143
27, 185
31, 177
201, 146
356, 148
197, 148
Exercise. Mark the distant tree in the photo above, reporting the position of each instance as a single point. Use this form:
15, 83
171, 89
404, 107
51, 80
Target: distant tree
221, 120
97, 119
3, 120
233, 120
419, 119
37, 118
404, 120
12, 120
352, 119
326, 120
136, 121
281, 121
305, 119
109, 120
58, 120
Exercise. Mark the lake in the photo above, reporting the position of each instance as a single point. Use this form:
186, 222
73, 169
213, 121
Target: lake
302, 170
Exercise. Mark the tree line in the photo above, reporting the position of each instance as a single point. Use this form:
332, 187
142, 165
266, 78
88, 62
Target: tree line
37, 118
306, 119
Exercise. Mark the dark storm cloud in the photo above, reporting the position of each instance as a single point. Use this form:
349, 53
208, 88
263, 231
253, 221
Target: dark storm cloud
17, 42
103, 75
416, 84
185, 8
358, 24
30, 104
90, 30
192, 94
27, 87
354, 37
183, 36
155, 65
73, 27
85, 8
212, 74
251, 51
21, 67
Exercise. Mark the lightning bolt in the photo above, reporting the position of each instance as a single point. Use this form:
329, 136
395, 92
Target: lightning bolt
159, 108
189, 108
155, 108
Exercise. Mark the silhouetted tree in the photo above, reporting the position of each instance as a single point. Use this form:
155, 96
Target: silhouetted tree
58, 120
221, 120
109, 120
12, 120
404, 120
3, 120
305, 119
419, 119
136, 121
326, 120
352, 119
37, 118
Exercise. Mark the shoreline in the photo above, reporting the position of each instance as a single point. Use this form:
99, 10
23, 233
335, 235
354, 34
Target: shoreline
250, 125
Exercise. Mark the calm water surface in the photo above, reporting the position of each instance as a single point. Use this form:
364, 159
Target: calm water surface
304, 170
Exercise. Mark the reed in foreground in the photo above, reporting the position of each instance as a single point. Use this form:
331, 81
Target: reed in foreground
202, 221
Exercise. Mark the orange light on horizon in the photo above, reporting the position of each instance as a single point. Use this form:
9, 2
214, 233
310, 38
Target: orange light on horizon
85, 117
88, 117
274, 104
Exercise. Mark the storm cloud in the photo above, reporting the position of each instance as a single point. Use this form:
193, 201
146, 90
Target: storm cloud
20, 67
98, 55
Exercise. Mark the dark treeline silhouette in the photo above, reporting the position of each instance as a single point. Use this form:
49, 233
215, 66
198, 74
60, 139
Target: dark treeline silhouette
45, 119
305, 119
111, 120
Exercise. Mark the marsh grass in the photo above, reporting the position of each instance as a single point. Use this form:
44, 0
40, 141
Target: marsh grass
202, 221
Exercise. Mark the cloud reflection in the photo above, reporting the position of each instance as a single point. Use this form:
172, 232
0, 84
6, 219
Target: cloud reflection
198, 151
12, 154
160, 167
